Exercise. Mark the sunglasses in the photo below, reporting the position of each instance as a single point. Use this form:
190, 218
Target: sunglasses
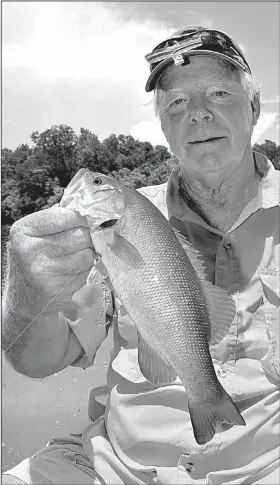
178, 48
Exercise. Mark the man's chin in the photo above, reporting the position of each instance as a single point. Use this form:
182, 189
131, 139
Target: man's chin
205, 164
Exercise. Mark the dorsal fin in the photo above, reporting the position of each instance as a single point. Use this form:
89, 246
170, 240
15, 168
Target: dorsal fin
220, 305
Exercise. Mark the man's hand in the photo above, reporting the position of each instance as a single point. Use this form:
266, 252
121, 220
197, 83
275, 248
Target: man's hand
47, 250
51, 247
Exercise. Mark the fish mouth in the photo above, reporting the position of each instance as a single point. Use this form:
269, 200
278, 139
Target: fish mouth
207, 140
108, 223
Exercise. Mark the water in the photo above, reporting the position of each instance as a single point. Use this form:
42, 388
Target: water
35, 410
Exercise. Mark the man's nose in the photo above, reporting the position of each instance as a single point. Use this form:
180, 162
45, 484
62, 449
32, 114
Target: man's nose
197, 111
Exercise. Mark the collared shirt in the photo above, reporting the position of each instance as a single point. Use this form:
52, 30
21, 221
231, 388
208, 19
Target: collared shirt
146, 435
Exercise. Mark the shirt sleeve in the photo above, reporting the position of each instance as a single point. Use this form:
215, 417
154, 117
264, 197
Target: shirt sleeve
270, 280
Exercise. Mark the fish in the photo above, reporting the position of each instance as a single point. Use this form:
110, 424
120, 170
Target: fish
160, 279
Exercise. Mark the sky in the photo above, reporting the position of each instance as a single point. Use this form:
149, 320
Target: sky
82, 63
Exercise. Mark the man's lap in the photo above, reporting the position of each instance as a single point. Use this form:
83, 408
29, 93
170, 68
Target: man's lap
62, 462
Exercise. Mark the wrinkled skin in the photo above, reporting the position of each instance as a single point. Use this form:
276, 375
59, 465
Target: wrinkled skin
49, 247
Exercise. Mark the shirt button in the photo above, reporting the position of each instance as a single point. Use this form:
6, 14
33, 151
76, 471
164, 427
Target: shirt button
190, 467
221, 372
227, 245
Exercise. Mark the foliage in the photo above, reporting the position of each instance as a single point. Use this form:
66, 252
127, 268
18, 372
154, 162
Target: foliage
34, 177
271, 150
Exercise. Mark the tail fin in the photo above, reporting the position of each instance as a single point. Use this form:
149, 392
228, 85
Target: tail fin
205, 418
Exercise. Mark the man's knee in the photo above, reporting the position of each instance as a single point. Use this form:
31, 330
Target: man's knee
11, 480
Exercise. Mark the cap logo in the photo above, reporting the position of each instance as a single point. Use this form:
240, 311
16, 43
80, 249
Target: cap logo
178, 58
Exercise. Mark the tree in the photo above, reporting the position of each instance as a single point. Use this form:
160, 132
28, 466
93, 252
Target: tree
271, 150
112, 145
90, 153
55, 149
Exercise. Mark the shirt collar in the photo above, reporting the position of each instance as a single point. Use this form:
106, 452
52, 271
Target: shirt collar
267, 197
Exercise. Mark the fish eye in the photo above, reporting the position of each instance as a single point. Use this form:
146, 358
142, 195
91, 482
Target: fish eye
97, 181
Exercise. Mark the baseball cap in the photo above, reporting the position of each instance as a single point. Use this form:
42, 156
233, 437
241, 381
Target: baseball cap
192, 41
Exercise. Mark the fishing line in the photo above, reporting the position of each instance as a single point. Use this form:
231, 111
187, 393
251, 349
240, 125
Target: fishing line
43, 309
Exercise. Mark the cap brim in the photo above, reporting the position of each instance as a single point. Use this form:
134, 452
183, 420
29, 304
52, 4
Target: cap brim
160, 68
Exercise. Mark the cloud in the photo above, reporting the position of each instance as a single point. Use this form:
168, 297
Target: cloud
79, 63
265, 122
271, 100
149, 131
84, 41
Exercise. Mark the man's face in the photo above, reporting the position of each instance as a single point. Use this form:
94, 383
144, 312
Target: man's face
205, 114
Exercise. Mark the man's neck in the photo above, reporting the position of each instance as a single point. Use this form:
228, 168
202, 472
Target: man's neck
220, 198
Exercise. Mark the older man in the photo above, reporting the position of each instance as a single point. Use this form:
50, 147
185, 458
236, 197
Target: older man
224, 198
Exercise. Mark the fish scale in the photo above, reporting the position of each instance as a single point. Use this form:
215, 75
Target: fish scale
158, 278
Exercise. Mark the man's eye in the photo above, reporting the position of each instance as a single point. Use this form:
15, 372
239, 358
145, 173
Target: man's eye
220, 93
177, 102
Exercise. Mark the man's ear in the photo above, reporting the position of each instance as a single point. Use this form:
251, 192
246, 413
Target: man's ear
255, 108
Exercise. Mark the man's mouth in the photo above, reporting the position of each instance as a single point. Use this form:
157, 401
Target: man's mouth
206, 140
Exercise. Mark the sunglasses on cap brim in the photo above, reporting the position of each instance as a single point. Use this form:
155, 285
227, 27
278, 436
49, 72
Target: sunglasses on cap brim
178, 49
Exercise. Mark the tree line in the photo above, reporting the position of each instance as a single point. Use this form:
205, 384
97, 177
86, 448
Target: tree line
34, 177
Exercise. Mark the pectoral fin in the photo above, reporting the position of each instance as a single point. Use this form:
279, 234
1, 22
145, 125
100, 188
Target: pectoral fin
153, 367
126, 252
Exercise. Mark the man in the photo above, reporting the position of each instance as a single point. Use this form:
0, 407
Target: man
224, 198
